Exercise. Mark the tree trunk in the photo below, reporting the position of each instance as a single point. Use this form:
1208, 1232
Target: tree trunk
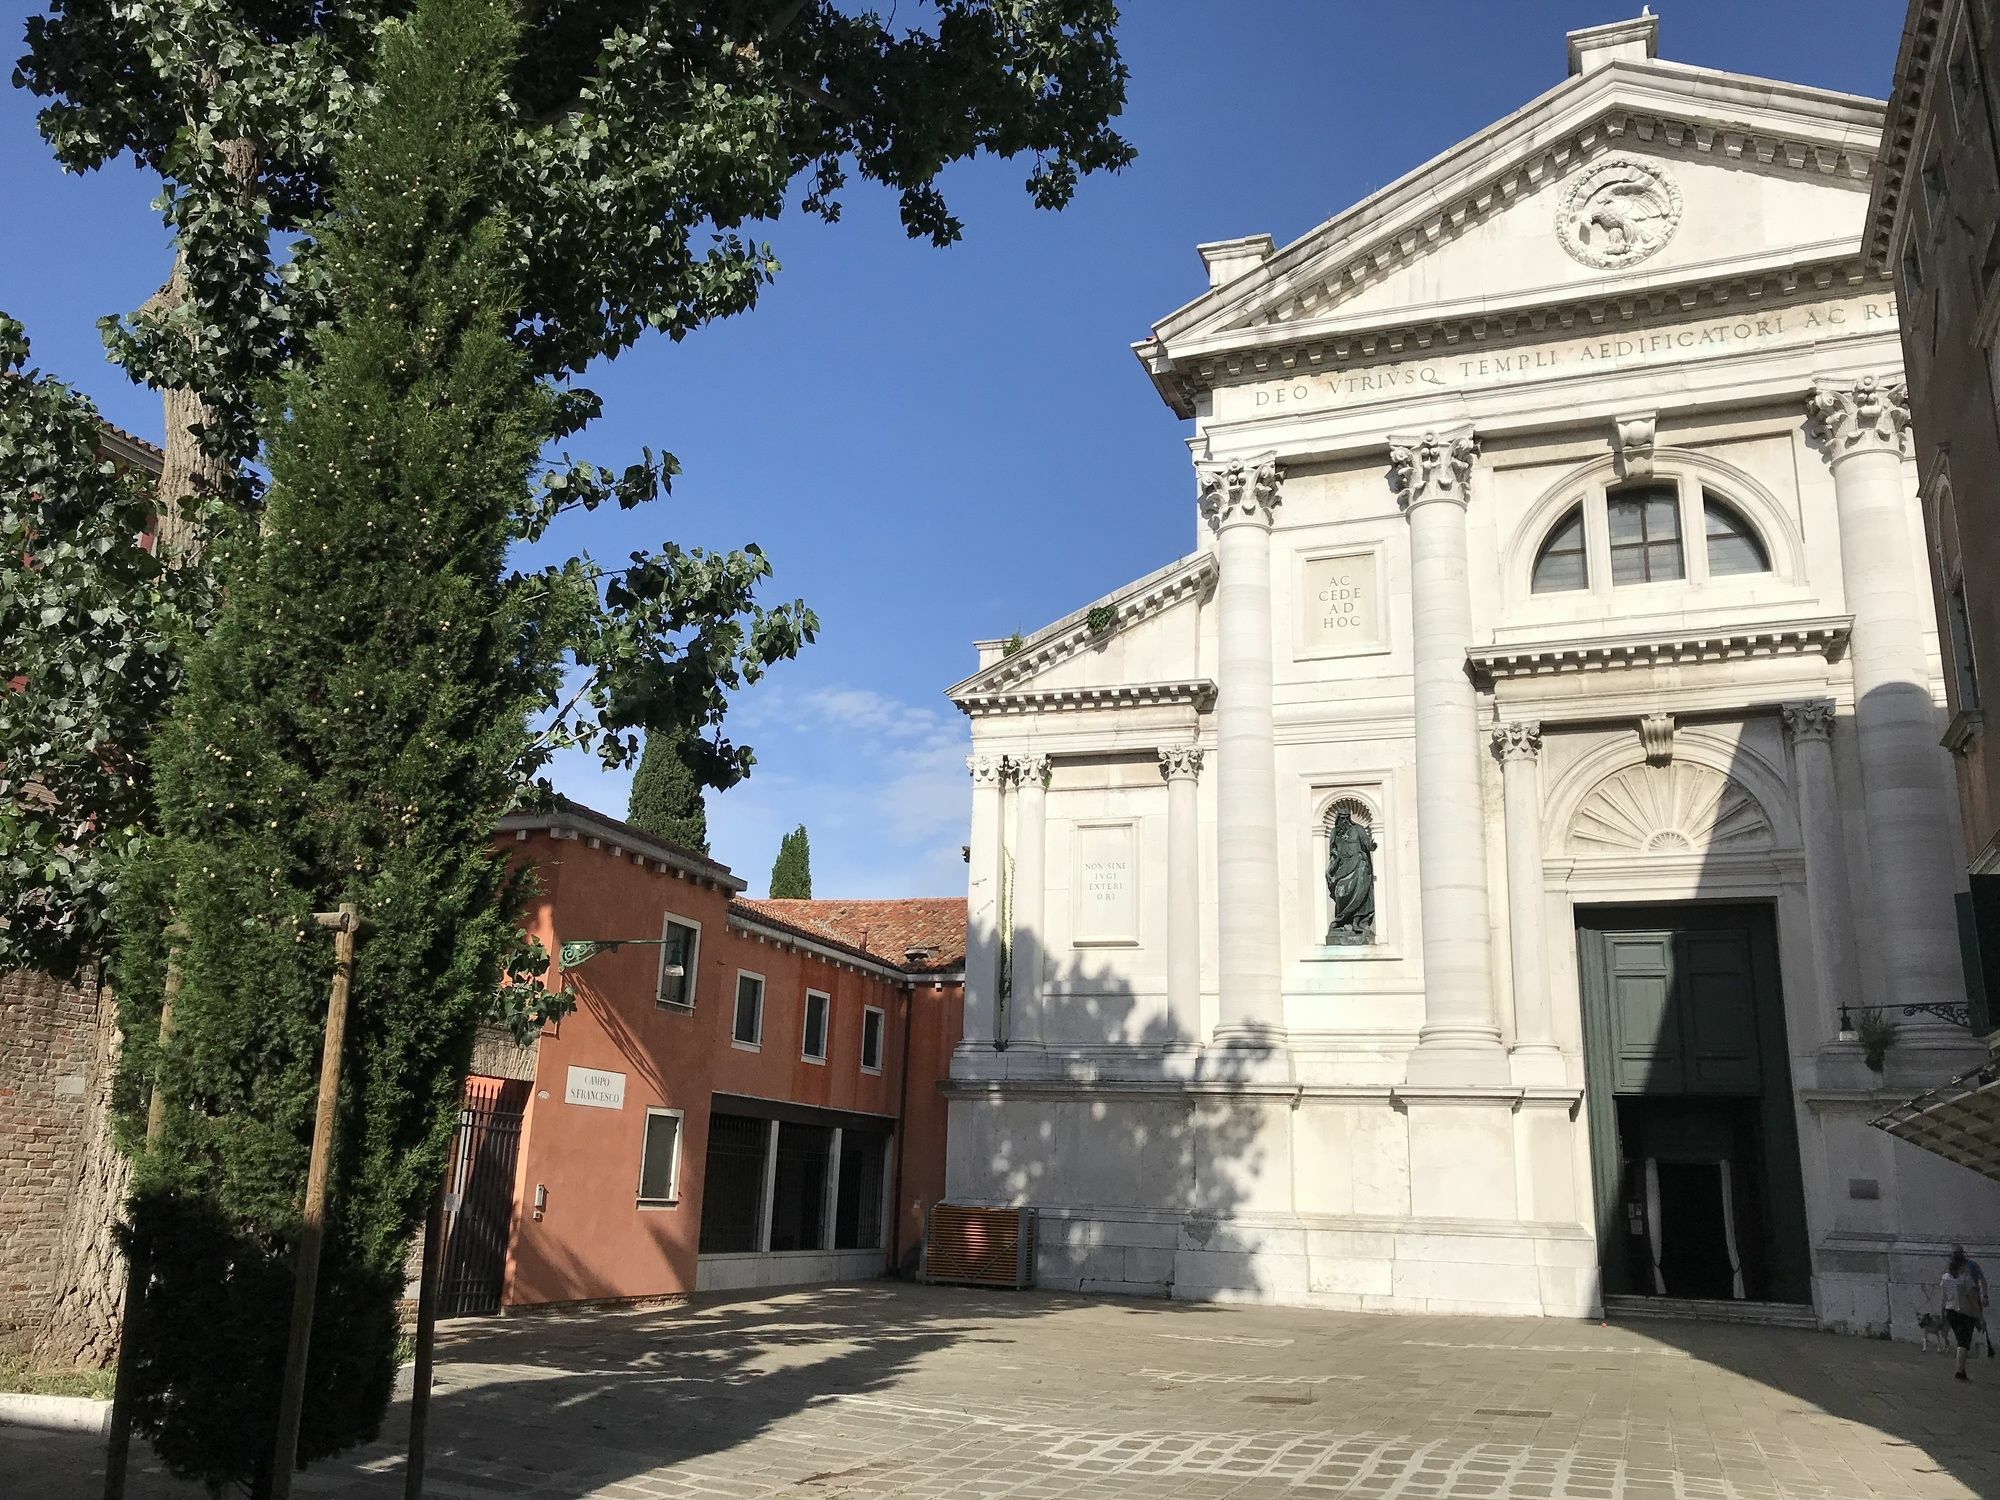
81, 1331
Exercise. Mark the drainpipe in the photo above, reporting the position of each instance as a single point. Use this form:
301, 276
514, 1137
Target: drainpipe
902, 1134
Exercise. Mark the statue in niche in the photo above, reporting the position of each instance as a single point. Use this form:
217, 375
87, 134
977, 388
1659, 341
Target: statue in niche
1350, 881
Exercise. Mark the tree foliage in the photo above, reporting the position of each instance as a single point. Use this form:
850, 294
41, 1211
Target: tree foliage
666, 796
635, 145
791, 872
351, 729
93, 624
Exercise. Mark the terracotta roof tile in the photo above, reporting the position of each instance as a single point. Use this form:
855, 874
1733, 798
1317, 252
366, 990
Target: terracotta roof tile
891, 931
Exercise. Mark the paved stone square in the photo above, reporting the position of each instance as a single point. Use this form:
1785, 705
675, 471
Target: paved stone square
885, 1389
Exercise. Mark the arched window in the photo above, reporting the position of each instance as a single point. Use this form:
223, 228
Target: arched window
1645, 526
1733, 544
1560, 565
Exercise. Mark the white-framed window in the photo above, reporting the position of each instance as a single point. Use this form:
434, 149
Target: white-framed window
812, 1046
873, 1018
660, 1159
1636, 534
747, 1026
680, 952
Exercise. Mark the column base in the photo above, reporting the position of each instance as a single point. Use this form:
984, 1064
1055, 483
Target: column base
1538, 1063
1458, 1055
1259, 1054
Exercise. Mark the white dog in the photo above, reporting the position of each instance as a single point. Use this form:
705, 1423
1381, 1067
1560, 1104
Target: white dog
1932, 1326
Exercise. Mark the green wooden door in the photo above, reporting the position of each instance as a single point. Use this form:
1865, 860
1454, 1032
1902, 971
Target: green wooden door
1683, 1002
1683, 1012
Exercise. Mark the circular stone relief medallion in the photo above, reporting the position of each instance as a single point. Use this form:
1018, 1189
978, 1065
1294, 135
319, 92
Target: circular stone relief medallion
1618, 211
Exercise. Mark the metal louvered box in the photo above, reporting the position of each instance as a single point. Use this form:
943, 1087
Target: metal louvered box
981, 1246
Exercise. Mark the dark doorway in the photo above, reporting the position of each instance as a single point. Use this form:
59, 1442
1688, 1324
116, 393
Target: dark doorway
479, 1196
1694, 1148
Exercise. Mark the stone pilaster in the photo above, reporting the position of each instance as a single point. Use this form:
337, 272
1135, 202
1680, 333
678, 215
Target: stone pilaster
1024, 1021
982, 906
1912, 843
1809, 726
1536, 1058
1238, 497
1460, 1041
1181, 765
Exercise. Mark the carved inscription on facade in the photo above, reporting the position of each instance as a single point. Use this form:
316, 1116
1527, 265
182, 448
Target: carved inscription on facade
1594, 354
1340, 608
1106, 882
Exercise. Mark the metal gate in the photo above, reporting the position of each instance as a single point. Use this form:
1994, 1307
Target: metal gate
479, 1195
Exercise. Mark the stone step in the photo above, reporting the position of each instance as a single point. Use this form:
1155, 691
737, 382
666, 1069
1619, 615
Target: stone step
1697, 1309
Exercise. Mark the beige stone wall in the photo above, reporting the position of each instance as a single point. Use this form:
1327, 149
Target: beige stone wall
47, 1035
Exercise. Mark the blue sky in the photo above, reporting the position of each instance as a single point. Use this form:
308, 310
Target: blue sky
935, 446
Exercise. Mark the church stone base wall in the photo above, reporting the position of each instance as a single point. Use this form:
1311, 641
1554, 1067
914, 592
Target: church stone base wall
1191, 1196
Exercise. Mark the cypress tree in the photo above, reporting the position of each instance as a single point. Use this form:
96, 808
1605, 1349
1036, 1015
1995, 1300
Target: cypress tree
791, 874
666, 798
350, 729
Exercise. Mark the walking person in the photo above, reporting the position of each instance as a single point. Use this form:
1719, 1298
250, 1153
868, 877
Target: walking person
1960, 1292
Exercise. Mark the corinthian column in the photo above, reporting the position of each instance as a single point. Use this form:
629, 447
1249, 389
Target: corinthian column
1536, 1057
1911, 840
1238, 498
1023, 1020
1180, 765
1810, 728
1460, 1041
982, 906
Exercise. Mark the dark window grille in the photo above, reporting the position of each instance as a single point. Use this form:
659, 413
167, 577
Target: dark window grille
871, 1039
857, 1212
732, 1185
798, 1194
1961, 647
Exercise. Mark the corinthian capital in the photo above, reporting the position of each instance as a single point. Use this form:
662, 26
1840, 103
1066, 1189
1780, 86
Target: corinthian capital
1811, 719
1178, 762
1867, 415
1436, 466
1024, 769
1517, 739
987, 770
1240, 489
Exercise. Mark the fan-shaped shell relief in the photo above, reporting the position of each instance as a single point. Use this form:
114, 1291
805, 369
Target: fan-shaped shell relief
1671, 809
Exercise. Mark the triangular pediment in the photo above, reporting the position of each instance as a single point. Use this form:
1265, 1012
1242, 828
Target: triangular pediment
1630, 179
1137, 643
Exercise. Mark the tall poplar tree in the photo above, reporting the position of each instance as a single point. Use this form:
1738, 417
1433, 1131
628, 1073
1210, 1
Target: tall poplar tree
351, 729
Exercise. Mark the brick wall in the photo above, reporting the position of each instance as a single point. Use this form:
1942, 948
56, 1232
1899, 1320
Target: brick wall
47, 1050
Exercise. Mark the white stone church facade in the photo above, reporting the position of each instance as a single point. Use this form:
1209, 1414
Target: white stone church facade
1555, 521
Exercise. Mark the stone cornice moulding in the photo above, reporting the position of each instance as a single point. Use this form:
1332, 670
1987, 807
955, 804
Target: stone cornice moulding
1916, 59
1823, 637
1280, 350
1193, 575
1198, 692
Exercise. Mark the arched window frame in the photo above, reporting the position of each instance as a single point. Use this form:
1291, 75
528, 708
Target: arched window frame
1691, 472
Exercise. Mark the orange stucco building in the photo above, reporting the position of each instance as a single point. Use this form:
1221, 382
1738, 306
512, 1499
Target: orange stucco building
745, 1095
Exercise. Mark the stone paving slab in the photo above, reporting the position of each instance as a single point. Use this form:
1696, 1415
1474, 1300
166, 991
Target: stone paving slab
886, 1389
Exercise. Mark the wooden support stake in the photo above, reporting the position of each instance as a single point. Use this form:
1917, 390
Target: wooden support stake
427, 1317
118, 1428
346, 924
